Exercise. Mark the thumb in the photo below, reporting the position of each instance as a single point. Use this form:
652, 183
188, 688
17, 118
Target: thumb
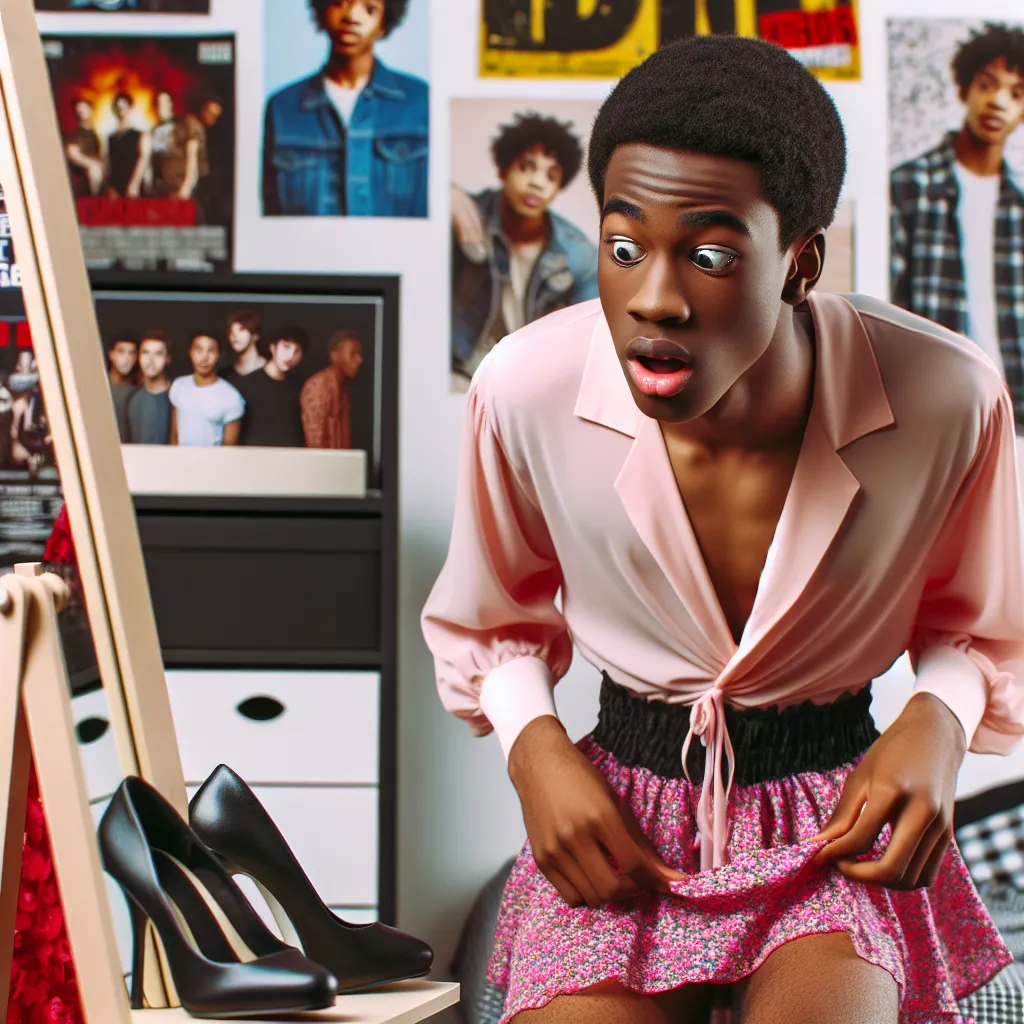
845, 816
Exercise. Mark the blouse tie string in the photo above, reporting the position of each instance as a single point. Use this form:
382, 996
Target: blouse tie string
707, 722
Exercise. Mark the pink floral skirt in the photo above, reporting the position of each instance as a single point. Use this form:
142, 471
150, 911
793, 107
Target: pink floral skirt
939, 944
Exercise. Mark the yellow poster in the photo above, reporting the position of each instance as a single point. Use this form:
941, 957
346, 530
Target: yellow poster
605, 38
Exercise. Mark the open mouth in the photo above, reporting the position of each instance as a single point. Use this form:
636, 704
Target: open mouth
661, 365
659, 377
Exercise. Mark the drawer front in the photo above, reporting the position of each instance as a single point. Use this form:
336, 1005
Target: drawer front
333, 834
268, 583
278, 726
96, 744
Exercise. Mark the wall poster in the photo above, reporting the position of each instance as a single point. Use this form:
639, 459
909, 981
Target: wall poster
149, 137
591, 39
139, 6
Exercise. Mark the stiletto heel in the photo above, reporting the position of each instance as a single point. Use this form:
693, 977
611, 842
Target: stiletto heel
230, 820
223, 961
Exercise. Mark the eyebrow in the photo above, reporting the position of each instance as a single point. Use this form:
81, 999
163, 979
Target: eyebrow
624, 206
713, 219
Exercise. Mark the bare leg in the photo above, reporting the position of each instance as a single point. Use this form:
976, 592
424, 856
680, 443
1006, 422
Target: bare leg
610, 1003
818, 979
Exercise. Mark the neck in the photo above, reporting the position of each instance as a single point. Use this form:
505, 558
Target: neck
204, 381
156, 385
249, 361
273, 371
523, 230
977, 156
117, 377
348, 70
768, 407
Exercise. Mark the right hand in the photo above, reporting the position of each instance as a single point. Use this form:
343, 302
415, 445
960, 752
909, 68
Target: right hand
468, 226
576, 822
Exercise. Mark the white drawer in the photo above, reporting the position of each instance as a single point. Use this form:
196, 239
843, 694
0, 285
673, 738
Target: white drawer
118, 905
96, 744
278, 726
333, 833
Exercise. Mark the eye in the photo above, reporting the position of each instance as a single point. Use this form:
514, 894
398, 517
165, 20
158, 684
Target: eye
712, 261
625, 251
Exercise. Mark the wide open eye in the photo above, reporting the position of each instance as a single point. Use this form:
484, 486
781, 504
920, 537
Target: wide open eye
625, 251
712, 261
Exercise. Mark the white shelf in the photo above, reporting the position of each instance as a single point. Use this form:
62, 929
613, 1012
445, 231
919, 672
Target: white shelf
405, 1002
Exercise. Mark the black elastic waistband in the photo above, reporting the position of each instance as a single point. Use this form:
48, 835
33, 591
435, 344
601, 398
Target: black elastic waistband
768, 743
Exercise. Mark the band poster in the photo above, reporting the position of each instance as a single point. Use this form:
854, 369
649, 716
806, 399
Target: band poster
135, 6
148, 126
570, 39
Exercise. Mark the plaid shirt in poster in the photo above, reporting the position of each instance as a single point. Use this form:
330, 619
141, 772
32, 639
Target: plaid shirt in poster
926, 270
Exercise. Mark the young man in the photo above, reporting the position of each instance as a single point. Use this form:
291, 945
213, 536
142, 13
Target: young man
325, 400
272, 417
244, 329
178, 150
513, 258
84, 153
205, 409
352, 139
958, 213
123, 360
127, 153
148, 412
751, 498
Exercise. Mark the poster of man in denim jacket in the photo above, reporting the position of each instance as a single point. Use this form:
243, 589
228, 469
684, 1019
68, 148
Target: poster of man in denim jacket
352, 138
514, 258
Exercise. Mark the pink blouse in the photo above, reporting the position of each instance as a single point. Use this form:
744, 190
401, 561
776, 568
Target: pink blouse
901, 531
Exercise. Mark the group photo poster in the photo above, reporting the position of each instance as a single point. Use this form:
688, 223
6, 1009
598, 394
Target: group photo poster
956, 158
258, 369
346, 114
524, 220
137, 6
570, 39
148, 125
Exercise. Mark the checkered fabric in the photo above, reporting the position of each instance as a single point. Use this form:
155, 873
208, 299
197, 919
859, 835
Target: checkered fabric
993, 848
1001, 1001
926, 268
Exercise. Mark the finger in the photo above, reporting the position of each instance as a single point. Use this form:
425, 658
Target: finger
933, 865
661, 872
567, 866
851, 802
861, 836
912, 825
565, 889
593, 862
631, 857
936, 836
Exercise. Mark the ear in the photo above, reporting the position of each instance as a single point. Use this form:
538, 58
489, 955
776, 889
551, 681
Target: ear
807, 260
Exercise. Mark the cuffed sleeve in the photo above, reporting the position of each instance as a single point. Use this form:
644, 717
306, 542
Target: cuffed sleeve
498, 639
968, 643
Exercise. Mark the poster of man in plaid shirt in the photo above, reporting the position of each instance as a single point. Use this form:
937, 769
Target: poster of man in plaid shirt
956, 101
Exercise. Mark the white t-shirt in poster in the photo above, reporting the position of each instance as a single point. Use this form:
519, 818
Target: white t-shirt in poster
521, 261
976, 212
342, 98
202, 412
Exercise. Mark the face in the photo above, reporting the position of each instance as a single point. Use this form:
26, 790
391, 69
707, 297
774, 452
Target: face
690, 274
204, 353
83, 111
286, 354
353, 25
122, 108
123, 356
152, 359
348, 356
532, 182
995, 103
210, 113
25, 363
164, 106
240, 338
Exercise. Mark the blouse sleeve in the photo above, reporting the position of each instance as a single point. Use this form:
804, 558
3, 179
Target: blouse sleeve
968, 642
498, 640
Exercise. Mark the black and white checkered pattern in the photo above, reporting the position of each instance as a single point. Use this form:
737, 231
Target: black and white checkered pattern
993, 848
1001, 1001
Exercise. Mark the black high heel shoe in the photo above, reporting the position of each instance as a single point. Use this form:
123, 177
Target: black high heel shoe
223, 960
232, 822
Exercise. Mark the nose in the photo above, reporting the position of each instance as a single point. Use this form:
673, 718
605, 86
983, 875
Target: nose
659, 296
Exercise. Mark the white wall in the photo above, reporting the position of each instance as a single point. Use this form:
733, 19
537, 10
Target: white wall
459, 818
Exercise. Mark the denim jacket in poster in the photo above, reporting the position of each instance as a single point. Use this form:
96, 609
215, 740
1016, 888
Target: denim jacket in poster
313, 166
565, 273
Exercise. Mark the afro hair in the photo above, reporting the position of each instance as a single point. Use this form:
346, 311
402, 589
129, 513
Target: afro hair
394, 12
532, 129
734, 97
985, 46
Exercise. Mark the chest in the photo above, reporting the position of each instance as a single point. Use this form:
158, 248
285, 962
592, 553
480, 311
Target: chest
733, 504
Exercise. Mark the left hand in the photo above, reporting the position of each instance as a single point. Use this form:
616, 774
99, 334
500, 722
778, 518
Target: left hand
907, 779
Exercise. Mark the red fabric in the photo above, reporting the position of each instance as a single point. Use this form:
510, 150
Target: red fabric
43, 987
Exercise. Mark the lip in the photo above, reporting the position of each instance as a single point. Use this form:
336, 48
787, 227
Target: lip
656, 348
532, 202
991, 123
348, 37
653, 382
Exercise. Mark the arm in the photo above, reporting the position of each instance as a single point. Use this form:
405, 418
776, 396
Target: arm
93, 166
231, 432
173, 439
134, 189
314, 414
191, 169
233, 417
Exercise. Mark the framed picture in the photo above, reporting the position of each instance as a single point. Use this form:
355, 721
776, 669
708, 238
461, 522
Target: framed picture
264, 385
134, 6
148, 128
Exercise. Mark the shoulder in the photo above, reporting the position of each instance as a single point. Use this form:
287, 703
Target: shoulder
931, 374
920, 169
414, 88
179, 386
227, 389
288, 96
569, 230
534, 373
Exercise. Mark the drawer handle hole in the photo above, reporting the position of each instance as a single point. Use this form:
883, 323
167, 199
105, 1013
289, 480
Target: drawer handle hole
261, 709
89, 730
